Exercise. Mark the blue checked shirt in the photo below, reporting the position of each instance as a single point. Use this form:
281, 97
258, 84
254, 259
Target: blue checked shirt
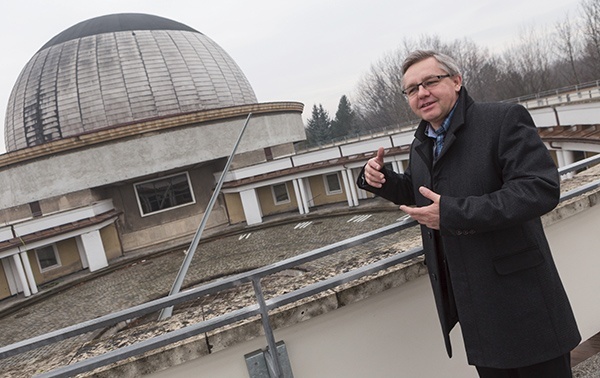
440, 133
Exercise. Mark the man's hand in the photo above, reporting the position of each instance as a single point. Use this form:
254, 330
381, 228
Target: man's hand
373, 174
427, 215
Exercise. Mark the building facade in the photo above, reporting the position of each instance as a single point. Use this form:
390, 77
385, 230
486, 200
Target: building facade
119, 128
115, 130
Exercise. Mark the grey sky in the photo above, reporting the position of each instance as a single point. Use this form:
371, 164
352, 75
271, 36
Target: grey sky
310, 51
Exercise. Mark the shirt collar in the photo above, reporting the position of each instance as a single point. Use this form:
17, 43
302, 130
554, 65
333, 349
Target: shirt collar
432, 133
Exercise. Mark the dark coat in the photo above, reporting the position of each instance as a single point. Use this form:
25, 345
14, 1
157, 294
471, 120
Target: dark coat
490, 265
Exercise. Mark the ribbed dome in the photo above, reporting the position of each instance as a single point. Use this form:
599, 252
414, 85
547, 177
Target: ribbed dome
117, 69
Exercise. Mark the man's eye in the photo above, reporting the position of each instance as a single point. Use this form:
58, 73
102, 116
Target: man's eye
430, 83
411, 90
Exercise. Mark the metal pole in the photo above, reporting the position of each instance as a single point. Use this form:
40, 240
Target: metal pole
271, 357
168, 311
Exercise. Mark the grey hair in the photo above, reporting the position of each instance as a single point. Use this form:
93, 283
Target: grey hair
446, 62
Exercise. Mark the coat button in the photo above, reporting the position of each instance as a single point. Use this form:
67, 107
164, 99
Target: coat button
433, 277
429, 235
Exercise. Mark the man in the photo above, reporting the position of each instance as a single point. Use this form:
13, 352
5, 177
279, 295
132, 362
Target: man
481, 178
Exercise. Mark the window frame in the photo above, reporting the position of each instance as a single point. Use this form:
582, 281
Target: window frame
56, 257
139, 202
287, 192
326, 182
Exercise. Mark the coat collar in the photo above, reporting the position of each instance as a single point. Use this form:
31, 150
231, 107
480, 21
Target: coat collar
423, 142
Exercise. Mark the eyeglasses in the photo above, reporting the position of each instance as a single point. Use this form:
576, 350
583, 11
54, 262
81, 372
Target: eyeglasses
428, 83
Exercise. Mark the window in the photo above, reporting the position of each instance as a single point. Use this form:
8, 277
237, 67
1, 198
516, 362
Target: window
35, 208
47, 258
163, 194
280, 194
268, 153
332, 184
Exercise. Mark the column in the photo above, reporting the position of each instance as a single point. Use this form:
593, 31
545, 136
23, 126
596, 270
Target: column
360, 193
82, 256
565, 158
29, 272
21, 274
94, 250
298, 196
353, 187
251, 206
347, 188
398, 167
303, 195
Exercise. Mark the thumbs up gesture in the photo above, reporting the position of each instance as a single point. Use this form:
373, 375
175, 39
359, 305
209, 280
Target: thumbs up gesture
373, 174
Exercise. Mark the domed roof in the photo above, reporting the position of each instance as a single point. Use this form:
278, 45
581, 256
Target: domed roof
117, 69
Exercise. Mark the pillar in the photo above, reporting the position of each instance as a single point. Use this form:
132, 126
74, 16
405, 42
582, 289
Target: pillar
299, 198
94, 250
29, 272
347, 188
21, 275
251, 206
303, 195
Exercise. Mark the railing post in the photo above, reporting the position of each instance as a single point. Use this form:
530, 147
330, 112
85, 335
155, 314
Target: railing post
271, 356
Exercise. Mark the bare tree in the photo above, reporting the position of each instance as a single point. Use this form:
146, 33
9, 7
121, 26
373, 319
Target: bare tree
591, 15
567, 47
379, 101
539, 60
530, 58
479, 69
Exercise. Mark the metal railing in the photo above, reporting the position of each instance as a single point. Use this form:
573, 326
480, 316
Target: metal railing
412, 124
575, 167
253, 276
555, 92
262, 307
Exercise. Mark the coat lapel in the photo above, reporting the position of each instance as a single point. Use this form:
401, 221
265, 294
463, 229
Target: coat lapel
423, 145
458, 120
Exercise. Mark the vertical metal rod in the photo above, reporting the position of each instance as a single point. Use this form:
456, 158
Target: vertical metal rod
168, 311
273, 362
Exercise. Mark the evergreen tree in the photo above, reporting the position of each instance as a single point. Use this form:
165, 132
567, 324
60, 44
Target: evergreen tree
344, 123
318, 129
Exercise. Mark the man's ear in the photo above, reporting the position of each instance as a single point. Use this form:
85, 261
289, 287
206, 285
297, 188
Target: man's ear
457, 82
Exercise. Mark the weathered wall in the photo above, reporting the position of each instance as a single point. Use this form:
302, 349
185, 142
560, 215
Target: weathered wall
129, 158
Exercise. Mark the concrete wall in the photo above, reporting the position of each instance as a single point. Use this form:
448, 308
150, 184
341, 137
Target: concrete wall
235, 210
575, 243
246, 159
267, 202
130, 158
137, 231
111, 242
70, 262
392, 334
320, 196
4, 288
566, 114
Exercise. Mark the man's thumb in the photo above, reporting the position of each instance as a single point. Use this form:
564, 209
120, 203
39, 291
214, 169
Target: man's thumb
380, 153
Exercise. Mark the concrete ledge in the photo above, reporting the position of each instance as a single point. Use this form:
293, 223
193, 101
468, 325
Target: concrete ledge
286, 316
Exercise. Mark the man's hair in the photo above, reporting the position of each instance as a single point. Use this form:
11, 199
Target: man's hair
447, 63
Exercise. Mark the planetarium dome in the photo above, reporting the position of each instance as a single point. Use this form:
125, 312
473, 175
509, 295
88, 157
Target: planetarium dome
117, 69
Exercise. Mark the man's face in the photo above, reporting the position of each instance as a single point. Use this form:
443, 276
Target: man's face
434, 103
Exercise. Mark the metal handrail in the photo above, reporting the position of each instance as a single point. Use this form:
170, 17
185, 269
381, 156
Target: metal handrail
579, 164
231, 282
210, 288
558, 91
229, 318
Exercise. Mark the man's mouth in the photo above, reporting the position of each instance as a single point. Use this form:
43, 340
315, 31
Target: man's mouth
427, 104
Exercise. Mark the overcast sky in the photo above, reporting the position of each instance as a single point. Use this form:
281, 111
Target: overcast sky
311, 51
